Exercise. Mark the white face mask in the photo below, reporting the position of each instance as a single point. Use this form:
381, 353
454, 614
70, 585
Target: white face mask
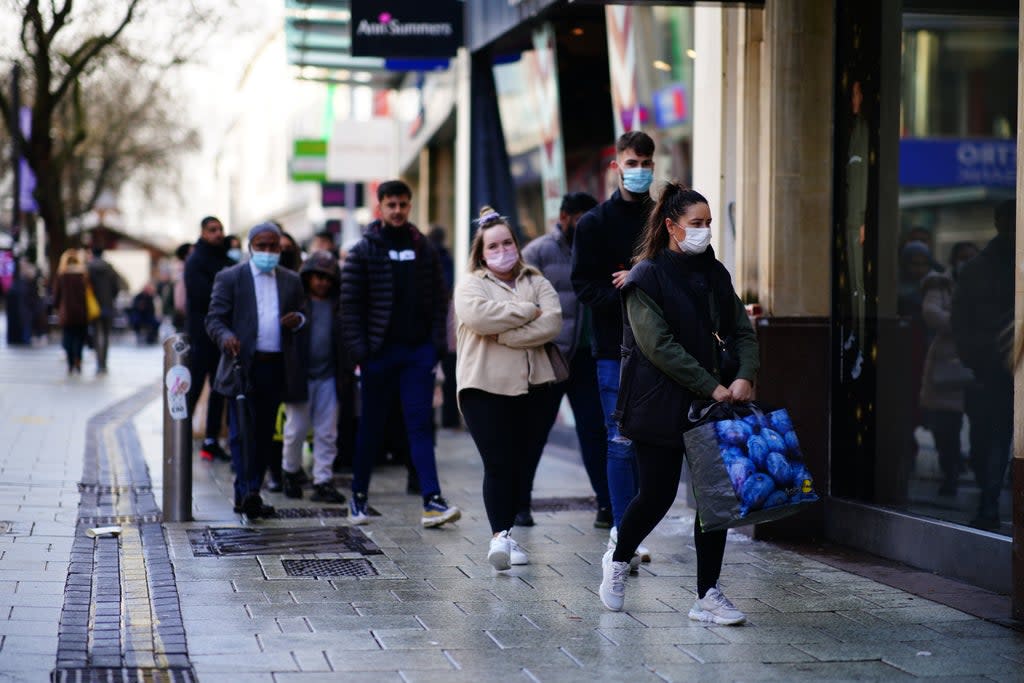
696, 240
503, 261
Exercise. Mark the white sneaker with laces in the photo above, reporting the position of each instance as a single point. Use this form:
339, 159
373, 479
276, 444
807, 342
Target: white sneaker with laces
714, 607
517, 556
500, 552
613, 582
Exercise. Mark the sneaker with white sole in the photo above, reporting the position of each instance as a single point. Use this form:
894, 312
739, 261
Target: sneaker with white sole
499, 555
715, 608
634, 562
613, 582
517, 556
437, 511
357, 512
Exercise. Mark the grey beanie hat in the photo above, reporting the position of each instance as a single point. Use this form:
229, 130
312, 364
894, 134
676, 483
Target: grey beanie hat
266, 226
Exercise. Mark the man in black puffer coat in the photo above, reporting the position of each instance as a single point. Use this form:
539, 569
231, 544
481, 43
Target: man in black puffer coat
394, 306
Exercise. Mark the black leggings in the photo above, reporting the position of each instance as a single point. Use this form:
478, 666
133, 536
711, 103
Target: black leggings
510, 432
659, 480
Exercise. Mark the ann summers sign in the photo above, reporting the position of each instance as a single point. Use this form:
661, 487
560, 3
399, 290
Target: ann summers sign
406, 28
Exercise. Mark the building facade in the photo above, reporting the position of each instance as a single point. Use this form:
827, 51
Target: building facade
854, 153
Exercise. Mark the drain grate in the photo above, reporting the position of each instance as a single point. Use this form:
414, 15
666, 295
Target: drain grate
214, 542
98, 488
126, 675
563, 504
307, 513
329, 568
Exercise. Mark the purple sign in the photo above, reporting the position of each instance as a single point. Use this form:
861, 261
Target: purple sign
28, 178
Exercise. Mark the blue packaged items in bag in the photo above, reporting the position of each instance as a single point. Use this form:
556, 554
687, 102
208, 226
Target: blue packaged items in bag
746, 465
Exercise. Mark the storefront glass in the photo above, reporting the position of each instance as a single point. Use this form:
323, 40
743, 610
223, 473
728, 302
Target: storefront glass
923, 401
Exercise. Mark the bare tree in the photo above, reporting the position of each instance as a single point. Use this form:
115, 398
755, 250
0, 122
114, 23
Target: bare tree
65, 53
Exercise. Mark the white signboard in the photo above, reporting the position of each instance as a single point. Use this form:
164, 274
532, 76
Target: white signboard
362, 151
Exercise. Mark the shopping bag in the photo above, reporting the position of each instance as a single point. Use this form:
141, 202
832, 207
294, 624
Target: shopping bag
92, 304
746, 465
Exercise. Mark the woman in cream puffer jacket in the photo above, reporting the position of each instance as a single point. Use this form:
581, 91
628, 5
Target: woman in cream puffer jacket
507, 311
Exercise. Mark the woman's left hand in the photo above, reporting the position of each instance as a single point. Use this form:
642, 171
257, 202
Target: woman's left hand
742, 390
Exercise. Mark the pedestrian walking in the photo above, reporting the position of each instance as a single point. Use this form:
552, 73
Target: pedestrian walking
321, 362
394, 303
142, 315
106, 283
208, 258
551, 254
679, 300
602, 252
255, 313
69, 300
507, 312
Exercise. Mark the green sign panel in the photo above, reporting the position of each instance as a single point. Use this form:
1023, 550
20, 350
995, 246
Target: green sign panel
309, 160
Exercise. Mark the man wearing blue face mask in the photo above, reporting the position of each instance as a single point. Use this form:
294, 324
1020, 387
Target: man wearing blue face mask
602, 251
254, 313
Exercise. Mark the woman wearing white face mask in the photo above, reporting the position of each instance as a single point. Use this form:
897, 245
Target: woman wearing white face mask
679, 302
507, 312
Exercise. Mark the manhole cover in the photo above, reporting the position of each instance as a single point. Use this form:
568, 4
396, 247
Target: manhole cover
563, 504
234, 541
326, 568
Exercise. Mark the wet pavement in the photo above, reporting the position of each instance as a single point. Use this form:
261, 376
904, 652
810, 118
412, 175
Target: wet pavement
305, 597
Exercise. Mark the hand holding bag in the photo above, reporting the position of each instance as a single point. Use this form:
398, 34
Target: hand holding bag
746, 465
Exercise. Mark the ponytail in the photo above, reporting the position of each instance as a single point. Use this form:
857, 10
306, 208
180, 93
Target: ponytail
672, 203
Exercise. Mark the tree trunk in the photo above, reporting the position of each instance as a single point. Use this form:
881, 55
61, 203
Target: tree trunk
51, 209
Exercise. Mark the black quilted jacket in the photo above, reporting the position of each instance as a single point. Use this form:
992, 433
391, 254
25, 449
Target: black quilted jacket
366, 293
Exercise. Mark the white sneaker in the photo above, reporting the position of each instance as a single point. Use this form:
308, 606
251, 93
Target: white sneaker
613, 582
714, 607
634, 562
500, 552
517, 556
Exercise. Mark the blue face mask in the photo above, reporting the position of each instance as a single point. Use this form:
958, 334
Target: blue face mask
637, 180
266, 261
235, 255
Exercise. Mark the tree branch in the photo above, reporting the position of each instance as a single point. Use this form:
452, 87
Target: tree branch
12, 122
59, 18
86, 54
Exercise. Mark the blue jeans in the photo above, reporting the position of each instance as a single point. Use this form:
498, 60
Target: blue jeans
409, 371
622, 472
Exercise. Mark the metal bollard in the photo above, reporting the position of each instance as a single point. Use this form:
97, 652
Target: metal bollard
177, 430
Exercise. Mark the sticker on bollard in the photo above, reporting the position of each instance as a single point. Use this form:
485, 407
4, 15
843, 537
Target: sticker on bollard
178, 381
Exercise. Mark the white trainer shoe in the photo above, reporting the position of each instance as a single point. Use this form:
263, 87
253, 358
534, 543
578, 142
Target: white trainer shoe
500, 552
715, 608
517, 556
613, 582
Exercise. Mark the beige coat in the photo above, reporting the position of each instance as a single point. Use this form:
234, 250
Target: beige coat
500, 342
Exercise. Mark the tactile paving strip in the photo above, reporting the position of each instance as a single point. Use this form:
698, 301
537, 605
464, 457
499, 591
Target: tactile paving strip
123, 676
329, 568
213, 542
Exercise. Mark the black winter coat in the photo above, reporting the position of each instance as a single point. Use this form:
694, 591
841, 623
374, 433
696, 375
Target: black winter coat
367, 292
201, 267
605, 239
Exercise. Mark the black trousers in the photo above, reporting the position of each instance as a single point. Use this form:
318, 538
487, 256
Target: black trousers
509, 432
203, 364
262, 398
659, 481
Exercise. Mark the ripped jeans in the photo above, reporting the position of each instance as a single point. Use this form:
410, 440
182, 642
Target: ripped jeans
622, 468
